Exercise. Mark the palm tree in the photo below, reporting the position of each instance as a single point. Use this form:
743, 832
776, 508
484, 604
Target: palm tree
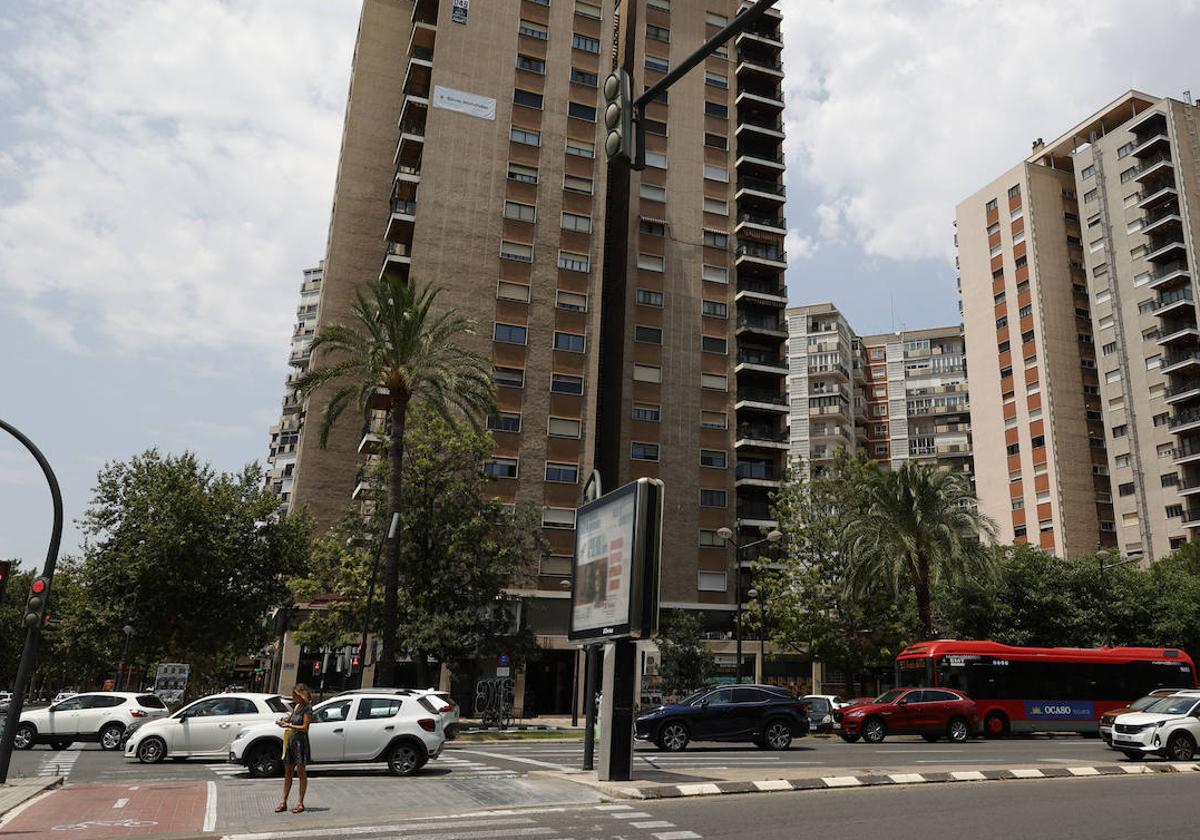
920, 522
398, 343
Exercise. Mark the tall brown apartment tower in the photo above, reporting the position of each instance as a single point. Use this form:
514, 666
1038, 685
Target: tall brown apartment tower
472, 159
1077, 270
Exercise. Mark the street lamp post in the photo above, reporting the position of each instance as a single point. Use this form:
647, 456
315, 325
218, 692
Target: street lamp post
1101, 557
727, 535
122, 678
761, 597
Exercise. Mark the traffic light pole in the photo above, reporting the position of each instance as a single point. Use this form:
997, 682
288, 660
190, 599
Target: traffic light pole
33, 632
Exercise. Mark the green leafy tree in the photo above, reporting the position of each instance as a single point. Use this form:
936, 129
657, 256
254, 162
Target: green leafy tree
1175, 584
684, 662
460, 549
920, 524
194, 557
399, 343
811, 604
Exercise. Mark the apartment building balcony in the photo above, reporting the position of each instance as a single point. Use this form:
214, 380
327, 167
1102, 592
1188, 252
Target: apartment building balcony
1155, 166
758, 63
760, 361
763, 223
364, 488
425, 11
1185, 361
828, 369
1186, 452
1185, 420
380, 400
411, 145
1166, 248
424, 34
752, 436
761, 95
838, 409
762, 32
414, 111
1171, 274
401, 221
761, 400
370, 443
753, 123
1155, 141
1174, 301
1191, 517
761, 291
771, 12
1178, 331
760, 188
755, 516
396, 262
1154, 195
953, 450
759, 254
761, 326
936, 410
1162, 220
1182, 390
758, 474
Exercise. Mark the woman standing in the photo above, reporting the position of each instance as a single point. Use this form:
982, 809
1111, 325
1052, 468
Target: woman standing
296, 752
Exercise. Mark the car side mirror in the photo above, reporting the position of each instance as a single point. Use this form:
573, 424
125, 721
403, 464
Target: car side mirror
901, 702
702, 703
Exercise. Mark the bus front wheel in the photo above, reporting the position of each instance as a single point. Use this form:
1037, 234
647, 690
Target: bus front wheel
995, 725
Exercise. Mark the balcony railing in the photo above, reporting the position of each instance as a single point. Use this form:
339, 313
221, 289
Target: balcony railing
762, 252
1172, 359
745, 511
745, 57
762, 471
765, 359
759, 121
762, 433
760, 185
1183, 387
762, 323
422, 53
766, 93
1170, 268
1169, 298
765, 221
752, 395
400, 207
1154, 161
762, 287
1160, 213
1184, 417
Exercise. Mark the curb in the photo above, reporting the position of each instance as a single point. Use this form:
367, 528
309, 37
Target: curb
30, 790
881, 780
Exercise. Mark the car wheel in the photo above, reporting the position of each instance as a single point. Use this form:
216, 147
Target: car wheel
24, 737
1181, 747
778, 735
874, 731
931, 738
264, 761
958, 731
1132, 754
995, 725
673, 737
404, 760
59, 745
849, 739
110, 736
152, 750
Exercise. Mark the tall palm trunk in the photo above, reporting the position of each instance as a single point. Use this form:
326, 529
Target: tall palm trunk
385, 672
921, 587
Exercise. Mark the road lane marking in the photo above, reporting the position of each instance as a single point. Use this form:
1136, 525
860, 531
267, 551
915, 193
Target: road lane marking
653, 824
676, 835
518, 759
437, 824
210, 808
121, 803
632, 815
614, 807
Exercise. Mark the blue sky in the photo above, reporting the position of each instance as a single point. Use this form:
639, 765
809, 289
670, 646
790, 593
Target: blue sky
166, 169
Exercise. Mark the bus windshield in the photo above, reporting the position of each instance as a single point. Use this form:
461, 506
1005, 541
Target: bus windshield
914, 673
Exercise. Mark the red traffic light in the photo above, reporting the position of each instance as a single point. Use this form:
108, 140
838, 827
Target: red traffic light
38, 586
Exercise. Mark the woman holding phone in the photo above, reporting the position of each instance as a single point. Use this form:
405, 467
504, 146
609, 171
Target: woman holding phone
296, 752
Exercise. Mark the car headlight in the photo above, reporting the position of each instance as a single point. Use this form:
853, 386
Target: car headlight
854, 714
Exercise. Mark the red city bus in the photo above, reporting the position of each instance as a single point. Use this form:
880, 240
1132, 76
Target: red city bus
1020, 689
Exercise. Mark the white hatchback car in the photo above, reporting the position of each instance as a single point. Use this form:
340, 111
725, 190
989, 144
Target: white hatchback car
93, 716
204, 728
1169, 727
364, 727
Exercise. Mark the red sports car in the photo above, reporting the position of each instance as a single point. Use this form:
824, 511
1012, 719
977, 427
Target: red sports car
930, 712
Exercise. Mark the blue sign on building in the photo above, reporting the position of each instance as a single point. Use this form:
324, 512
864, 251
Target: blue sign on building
1059, 710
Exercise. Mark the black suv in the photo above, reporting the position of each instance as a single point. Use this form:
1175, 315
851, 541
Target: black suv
767, 716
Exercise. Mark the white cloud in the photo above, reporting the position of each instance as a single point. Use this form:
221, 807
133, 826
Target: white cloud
898, 111
798, 246
172, 168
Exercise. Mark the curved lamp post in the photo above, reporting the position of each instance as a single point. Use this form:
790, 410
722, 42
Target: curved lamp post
727, 535
33, 633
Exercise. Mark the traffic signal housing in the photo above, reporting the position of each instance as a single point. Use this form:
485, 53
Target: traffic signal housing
35, 606
618, 117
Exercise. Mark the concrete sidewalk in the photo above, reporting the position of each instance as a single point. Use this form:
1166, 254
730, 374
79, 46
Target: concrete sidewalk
19, 791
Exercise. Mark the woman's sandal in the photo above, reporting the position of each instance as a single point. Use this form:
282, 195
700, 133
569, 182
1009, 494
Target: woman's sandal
281, 807
299, 809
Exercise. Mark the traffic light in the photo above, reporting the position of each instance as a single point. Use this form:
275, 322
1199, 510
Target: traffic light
5, 570
618, 117
39, 591
317, 668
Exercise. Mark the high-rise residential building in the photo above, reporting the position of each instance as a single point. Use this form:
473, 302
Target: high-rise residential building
285, 435
892, 397
472, 159
1076, 282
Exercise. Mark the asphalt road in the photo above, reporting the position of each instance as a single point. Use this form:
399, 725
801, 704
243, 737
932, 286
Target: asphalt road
462, 760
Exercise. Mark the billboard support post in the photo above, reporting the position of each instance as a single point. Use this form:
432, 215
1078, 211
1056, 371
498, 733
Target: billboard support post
590, 681
616, 711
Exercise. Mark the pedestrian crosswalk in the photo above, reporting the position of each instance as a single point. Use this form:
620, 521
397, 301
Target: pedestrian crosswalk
465, 767
459, 768
60, 762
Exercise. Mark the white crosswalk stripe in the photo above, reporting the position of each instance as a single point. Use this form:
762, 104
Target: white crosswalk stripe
61, 762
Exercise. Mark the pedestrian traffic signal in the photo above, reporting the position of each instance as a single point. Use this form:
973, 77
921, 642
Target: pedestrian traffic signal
618, 117
39, 591
5, 570
317, 668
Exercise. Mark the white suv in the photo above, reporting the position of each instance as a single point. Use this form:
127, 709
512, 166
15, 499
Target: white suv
1169, 727
203, 728
95, 716
351, 728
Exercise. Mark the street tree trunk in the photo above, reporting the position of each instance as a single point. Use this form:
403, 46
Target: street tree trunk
385, 670
921, 586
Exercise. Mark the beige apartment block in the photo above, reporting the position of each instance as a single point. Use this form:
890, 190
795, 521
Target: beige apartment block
893, 397
472, 158
1093, 264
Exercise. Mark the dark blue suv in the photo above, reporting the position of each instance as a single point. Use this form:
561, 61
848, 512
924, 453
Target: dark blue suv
766, 716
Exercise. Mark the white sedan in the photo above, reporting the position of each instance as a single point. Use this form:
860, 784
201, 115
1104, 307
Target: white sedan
203, 729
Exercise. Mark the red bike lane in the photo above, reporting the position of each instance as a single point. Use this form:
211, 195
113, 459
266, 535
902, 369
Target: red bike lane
95, 812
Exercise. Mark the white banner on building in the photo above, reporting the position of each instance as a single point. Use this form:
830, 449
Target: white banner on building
471, 104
